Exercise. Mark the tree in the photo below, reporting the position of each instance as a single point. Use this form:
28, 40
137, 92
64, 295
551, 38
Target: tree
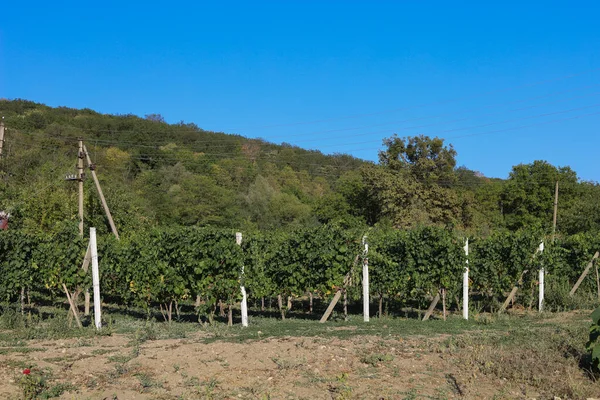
154, 118
427, 159
528, 196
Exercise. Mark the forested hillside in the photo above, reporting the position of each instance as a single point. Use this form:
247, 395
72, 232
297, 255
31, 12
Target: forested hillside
159, 174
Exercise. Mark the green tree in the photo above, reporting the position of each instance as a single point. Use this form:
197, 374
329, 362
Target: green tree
427, 159
528, 196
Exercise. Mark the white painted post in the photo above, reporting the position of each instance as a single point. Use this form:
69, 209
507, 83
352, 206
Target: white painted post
238, 240
365, 281
541, 282
466, 284
95, 279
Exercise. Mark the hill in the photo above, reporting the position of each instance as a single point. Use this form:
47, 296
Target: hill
155, 173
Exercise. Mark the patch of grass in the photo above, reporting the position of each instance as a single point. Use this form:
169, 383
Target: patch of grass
147, 381
339, 388
124, 358
56, 390
99, 352
376, 359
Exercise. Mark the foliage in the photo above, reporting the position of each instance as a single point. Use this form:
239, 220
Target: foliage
593, 345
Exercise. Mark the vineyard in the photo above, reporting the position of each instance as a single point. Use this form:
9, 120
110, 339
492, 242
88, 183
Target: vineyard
164, 268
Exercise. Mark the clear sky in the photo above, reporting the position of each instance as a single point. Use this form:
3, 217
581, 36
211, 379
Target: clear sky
506, 82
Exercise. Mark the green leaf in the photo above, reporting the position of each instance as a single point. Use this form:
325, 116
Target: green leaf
596, 316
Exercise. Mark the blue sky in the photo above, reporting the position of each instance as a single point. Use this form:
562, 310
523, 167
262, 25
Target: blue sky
504, 82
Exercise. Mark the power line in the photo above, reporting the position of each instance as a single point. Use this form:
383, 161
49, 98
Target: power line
510, 88
174, 129
434, 132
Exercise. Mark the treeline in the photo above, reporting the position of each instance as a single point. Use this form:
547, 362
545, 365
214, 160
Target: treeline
158, 174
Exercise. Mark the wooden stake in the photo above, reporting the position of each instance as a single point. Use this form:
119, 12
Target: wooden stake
280, 304
73, 309
102, 199
444, 303
345, 305
337, 296
584, 274
513, 292
431, 308
22, 300
329, 310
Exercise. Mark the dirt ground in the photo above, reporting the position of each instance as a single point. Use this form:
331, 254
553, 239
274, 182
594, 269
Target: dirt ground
362, 367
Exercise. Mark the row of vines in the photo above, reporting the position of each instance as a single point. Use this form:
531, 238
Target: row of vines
204, 265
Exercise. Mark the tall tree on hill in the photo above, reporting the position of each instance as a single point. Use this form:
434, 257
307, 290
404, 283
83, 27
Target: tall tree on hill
412, 183
426, 159
528, 195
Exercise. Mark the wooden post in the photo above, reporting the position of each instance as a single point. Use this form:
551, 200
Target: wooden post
338, 294
466, 283
365, 281
73, 309
444, 303
80, 176
513, 292
95, 278
345, 305
280, 304
244, 306
23, 300
329, 310
99, 189
584, 274
429, 312
80, 185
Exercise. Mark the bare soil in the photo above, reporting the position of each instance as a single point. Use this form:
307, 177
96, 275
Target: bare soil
274, 368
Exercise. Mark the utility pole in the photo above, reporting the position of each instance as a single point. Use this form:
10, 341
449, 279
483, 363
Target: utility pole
1, 136
80, 176
102, 199
555, 211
